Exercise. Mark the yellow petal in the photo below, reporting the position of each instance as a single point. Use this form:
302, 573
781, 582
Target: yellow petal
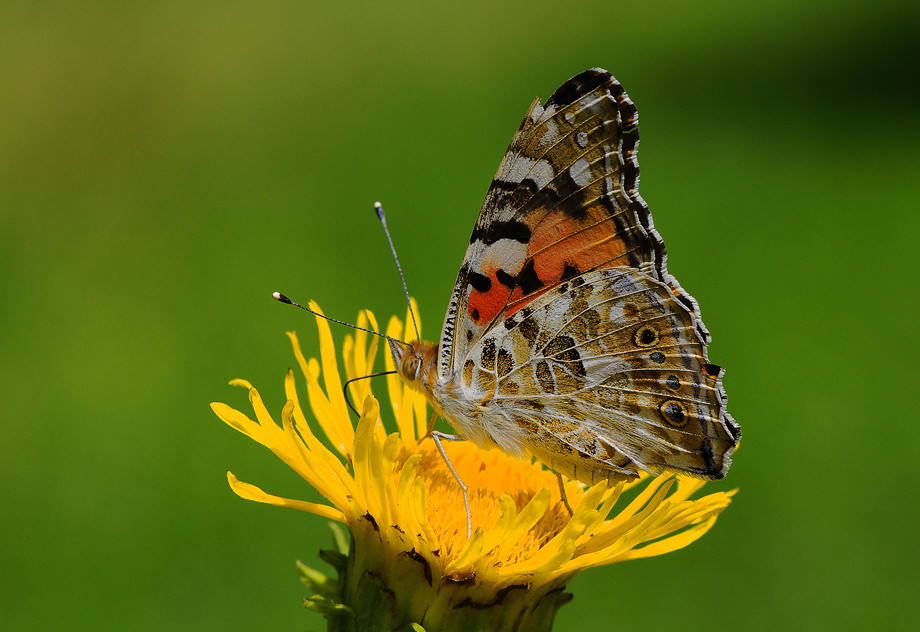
251, 492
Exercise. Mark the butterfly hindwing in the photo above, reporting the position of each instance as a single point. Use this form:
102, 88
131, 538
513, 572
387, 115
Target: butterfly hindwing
607, 373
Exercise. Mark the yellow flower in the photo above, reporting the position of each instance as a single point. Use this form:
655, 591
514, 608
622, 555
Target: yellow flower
410, 554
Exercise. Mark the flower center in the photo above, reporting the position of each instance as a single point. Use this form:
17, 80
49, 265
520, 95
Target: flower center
489, 475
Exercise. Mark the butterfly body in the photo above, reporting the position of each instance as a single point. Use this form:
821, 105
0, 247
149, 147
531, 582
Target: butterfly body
470, 410
565, 336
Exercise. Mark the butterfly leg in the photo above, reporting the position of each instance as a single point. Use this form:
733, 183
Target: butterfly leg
437, 436
565, 499
434, 417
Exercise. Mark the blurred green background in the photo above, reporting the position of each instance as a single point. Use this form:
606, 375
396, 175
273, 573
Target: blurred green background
165, 166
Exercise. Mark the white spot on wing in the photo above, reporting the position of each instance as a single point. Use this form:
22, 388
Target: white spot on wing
516, 168
550, 135
536, 112
580, 172
591, 101
507, 254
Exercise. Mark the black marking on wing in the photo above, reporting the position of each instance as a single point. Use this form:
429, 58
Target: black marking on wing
570, 271
480, 282
526, 279
511, 229
578, 86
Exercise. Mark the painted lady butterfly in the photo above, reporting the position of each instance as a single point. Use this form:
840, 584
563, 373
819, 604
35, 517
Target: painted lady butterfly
565, 336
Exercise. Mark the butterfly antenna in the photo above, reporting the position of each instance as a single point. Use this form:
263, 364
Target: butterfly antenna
383, 221
278, 296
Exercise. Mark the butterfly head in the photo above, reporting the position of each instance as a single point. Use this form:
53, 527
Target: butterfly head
415, 362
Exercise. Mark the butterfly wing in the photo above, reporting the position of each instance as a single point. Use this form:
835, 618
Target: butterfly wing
606, 376
563, 202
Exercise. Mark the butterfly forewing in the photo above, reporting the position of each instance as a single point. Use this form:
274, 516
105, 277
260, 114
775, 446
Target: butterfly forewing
563, 202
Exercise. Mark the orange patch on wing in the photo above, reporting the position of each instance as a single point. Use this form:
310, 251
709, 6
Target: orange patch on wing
586, 244
557, 241
482, 307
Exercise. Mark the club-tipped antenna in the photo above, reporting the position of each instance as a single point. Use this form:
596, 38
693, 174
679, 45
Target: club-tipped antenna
383, 221
278, 296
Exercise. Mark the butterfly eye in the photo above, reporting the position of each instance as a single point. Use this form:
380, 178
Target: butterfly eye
410, 367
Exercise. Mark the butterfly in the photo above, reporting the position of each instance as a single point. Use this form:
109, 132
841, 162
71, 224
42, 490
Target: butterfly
565, 336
